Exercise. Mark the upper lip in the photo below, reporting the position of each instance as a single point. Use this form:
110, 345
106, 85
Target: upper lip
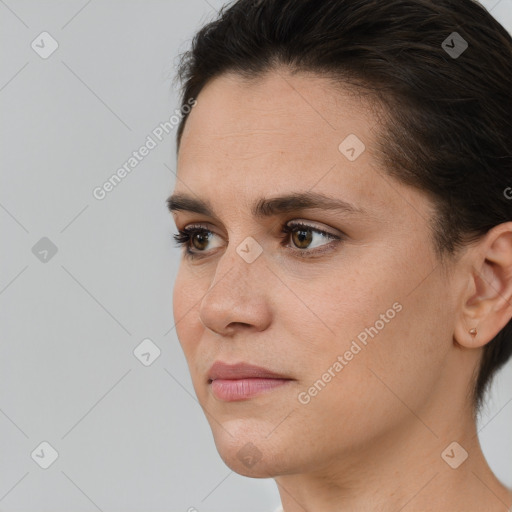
221, 370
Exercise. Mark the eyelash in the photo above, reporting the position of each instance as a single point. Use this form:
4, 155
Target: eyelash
184, 237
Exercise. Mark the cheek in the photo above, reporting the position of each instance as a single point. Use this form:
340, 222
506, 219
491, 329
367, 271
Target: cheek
392, 335
186, 300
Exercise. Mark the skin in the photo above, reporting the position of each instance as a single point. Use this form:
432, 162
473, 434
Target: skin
372, 438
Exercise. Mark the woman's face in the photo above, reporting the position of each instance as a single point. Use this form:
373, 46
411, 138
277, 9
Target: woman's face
361, 322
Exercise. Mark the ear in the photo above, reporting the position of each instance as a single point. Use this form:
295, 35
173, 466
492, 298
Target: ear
487, 304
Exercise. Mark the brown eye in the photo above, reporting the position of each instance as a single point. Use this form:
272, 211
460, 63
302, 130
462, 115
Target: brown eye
200, 240
302, 238
195, 240
306, 241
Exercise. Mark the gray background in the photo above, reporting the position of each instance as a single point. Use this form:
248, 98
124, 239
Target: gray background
129, 437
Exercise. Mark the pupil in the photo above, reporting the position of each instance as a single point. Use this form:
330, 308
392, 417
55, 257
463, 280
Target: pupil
202, 240
305, 237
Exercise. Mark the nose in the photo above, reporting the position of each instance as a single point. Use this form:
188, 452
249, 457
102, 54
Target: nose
238, 296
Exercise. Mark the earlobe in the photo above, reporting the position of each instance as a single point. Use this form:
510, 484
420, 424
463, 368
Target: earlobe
469, 338
466, 330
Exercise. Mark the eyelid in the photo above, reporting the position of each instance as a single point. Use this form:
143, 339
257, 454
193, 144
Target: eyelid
294, 225
335, 240
188, 231
309, 224
314, 227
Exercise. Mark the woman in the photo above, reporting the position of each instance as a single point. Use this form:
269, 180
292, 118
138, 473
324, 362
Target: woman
345, 206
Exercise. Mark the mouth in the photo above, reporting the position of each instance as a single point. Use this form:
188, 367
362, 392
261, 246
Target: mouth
243, 381
232, 390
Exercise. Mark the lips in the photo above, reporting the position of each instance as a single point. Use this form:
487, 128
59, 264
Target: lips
243, 381
224, 371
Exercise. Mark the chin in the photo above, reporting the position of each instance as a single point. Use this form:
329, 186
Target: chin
248, 465
247, 455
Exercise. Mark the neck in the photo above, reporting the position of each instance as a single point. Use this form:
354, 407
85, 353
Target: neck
403, 470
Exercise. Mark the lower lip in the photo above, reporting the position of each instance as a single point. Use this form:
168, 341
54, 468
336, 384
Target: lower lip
231, 390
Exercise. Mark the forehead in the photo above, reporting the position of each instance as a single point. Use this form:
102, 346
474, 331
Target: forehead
279, 133
276, 111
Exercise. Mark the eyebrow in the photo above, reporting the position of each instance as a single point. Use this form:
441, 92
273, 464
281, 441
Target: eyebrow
268, 207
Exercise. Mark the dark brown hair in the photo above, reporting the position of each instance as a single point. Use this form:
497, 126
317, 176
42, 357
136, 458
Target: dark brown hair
447, 127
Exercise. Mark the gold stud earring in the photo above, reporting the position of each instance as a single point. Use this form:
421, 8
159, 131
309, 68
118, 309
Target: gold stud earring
472, 331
